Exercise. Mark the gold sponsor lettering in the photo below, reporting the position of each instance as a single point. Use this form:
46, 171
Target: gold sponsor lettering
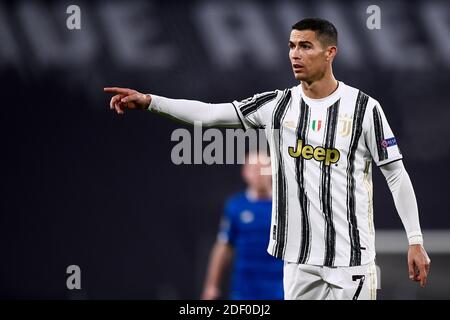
328, 156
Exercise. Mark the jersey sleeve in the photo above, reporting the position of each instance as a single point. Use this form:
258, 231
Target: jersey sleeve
191, 111
250, 110
227, 230
379, 137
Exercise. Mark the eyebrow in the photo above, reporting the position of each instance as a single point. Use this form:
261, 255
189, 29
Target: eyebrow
301, 42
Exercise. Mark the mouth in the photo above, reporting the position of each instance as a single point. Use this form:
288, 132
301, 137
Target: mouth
298, 67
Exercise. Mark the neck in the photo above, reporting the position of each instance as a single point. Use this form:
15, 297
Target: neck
320, 88
260, 194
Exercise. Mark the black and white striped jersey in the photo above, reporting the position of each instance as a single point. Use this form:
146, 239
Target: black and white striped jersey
322, 152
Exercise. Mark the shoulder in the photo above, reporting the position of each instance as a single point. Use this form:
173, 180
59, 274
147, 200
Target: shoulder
292, 91
265, 96
258, 108
360, 96
283, 96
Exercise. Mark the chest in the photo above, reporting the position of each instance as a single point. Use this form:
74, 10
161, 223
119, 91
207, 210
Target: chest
254, 217
318, 126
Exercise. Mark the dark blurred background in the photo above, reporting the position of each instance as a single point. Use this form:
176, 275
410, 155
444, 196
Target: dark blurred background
83, 186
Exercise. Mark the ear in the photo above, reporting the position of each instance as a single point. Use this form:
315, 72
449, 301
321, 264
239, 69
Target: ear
330, 53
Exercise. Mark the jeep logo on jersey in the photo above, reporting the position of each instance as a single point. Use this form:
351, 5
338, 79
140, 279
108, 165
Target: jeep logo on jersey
328, 156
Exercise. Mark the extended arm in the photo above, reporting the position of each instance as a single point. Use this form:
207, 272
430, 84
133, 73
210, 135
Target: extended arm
188, 111
406, 205
220, 260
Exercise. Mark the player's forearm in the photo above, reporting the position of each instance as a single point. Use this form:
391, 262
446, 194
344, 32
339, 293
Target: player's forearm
190, 111
219, 262
404, 199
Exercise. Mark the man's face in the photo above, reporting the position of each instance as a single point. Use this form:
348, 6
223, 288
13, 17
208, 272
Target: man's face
256, 172
307, 55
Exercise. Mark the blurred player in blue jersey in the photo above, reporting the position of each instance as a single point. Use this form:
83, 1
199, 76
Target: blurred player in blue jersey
243, 240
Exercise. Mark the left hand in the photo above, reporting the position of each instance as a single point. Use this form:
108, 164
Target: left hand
418, 264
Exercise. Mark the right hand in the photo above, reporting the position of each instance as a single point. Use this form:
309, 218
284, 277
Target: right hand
125, 98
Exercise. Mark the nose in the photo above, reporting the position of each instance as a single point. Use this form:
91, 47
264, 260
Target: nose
295, 54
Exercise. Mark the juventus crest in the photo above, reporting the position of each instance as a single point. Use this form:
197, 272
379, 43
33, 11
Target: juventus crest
345, 123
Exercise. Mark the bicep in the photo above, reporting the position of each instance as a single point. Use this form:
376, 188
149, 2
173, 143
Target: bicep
224, 114
379, 137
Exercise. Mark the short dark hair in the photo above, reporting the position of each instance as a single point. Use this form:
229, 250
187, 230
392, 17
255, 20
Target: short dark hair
325, 31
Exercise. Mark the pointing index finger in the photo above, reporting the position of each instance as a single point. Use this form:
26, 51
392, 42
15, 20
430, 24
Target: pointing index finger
116, 90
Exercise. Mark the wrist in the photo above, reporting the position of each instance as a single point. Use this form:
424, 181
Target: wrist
415, 240
148, 102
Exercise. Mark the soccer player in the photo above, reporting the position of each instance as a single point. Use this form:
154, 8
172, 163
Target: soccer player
243, 239
323, 136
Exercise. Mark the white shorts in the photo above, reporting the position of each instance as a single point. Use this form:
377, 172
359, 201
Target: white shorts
308, 282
